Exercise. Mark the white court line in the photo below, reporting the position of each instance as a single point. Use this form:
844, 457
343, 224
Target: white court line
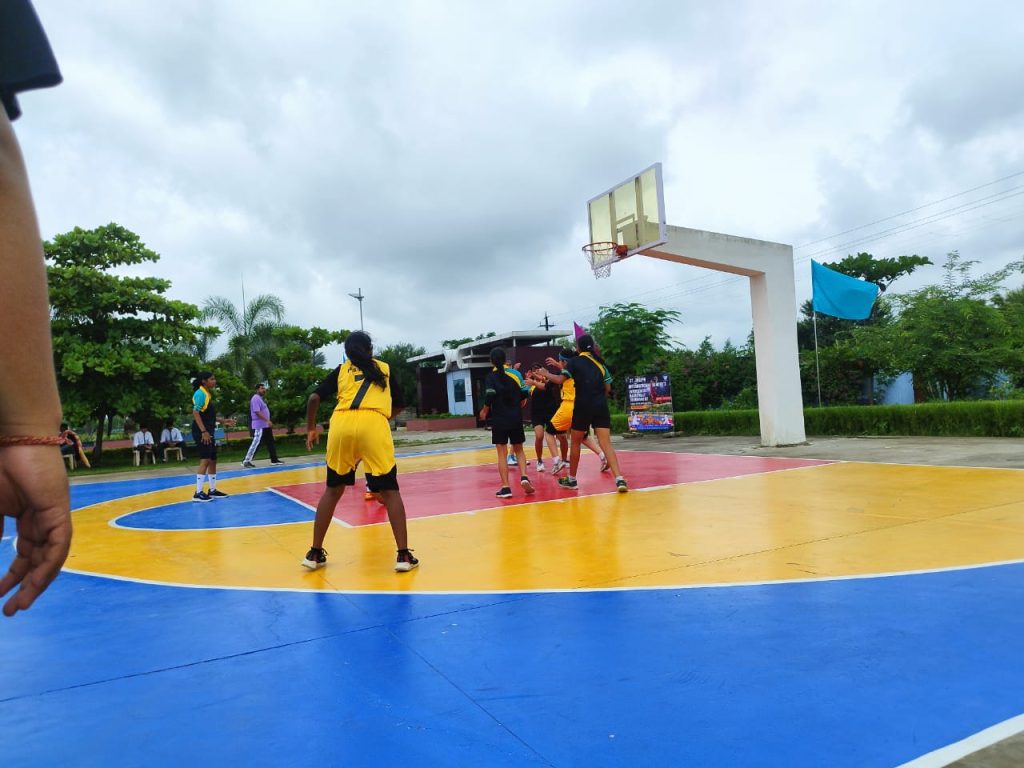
562, 590
113, 522
961, 749
292, 499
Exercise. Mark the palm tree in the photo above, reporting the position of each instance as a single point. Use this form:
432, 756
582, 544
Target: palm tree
251, 351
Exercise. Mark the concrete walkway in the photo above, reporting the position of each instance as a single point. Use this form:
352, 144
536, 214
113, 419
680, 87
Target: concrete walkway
1001, 452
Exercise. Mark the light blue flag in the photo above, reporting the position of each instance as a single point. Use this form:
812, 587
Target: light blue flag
840, 295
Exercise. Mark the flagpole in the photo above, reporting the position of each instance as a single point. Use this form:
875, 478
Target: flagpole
817, 366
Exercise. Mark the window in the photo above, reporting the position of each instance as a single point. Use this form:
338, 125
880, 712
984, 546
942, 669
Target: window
460, 390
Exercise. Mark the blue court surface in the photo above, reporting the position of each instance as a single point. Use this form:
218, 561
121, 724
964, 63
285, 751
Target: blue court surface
852, 671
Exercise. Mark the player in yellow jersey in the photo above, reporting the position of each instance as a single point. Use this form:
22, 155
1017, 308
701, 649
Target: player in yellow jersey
359, 432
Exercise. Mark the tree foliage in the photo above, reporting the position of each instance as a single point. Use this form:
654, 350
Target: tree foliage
455, 343
118, 341
250, 330
403, 374
299, 368
952, 337
631, 338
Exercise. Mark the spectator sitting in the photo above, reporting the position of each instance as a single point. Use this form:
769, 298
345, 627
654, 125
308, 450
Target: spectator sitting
142, 441
170, 437
72, 444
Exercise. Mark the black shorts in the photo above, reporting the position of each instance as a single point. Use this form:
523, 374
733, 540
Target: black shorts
502, 435
205, 450
541, 419
586, 415
26, 60
374, 483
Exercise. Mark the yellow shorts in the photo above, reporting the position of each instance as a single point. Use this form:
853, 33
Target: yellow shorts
562, 419
360, 436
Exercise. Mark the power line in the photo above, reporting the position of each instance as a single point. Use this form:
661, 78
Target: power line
912, 210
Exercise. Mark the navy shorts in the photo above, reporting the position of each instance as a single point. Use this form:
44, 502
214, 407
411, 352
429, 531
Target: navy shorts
205, 450
586, 415
503, 435
374, 483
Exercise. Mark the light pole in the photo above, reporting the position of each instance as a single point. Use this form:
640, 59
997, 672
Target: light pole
359, 297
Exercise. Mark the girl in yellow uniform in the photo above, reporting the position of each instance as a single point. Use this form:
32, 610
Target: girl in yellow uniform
359, 432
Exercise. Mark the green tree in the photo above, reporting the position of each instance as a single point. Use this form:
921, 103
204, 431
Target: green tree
704, 378
951, 337
454, 343
403, 374
118, 341
631, 338
300, 368
1011, 305
252, 352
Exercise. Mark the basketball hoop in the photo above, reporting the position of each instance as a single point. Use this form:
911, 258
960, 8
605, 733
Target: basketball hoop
601, 256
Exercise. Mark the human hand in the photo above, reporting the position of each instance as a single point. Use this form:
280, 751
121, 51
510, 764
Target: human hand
312, 438
34, 490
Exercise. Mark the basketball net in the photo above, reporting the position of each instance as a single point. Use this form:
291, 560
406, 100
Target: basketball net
601, 256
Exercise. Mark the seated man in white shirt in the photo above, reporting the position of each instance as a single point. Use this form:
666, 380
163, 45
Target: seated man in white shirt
170, 437
142, 441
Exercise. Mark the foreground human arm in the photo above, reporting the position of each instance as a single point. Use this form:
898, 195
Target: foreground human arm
33, 483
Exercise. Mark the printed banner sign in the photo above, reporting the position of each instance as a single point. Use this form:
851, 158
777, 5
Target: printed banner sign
650, 403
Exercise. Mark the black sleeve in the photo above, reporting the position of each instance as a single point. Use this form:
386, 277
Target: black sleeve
328, 389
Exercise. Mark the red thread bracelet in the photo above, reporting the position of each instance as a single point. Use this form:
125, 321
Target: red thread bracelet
24, 440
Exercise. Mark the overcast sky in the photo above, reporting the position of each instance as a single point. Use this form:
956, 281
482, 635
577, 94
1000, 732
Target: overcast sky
439, 155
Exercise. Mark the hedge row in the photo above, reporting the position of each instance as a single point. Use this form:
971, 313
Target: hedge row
987, 418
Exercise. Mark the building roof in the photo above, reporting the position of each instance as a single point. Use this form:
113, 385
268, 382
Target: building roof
476, 353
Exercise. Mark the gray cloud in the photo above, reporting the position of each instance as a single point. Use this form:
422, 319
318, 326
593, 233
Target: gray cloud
439, 156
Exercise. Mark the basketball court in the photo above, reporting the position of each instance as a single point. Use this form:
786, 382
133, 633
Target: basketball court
729, 610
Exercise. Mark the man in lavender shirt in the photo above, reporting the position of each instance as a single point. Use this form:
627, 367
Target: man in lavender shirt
261, 427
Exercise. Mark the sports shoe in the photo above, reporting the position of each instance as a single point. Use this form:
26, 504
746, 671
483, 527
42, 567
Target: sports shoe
504, 493
276, 463
540, 465
569, 483
217, 495
527, 485
620, 485
315, 558
559, 465
406, 561
201, 496
248, 465
604, 463
512, 460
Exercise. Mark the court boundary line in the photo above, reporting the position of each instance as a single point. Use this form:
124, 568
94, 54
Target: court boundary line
976, 742
567, 590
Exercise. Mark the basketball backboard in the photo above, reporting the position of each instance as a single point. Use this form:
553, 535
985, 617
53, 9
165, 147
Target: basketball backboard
631, 213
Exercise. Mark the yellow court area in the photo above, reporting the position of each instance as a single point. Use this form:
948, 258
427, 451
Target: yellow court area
819, 521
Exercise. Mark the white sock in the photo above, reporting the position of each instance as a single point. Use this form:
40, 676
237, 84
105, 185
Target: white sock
199, 483
213, 482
